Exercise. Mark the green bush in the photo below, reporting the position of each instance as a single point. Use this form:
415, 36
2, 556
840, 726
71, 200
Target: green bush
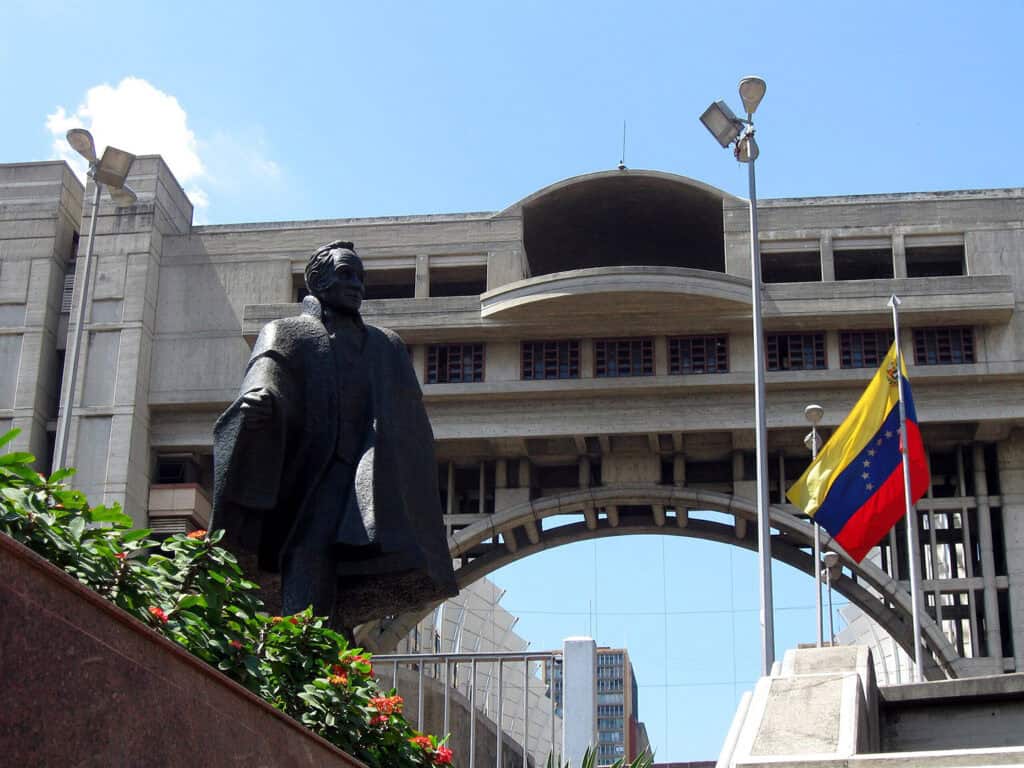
193, 592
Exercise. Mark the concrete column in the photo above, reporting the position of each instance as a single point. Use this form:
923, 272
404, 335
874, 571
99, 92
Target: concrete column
501, 473
584, 464
422, 286
1011, 484
993, 634
828, 263
899, 256
679, 470
586, 358
523, 472
660, 355
451, 488
482, 489
579, 698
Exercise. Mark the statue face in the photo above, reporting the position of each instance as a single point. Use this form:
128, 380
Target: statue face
346, 290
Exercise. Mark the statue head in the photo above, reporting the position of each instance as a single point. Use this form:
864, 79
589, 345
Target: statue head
335, 276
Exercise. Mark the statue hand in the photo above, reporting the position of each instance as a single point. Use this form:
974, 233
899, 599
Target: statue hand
257, 408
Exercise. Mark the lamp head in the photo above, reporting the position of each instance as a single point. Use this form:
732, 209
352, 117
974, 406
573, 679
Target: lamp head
81, 141
113, 167
722, 123
813, 413
747, 150
752, 90
831, 560
812, 440
123, 196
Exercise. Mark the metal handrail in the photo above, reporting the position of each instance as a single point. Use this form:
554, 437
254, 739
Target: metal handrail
451, 660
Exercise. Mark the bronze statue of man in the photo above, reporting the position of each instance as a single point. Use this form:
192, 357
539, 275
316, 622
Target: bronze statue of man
324, 465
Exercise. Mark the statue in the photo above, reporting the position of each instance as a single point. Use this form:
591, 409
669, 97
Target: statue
324, 466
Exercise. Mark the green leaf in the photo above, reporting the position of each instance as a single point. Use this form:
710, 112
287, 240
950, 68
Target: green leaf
75, 528
109, 515
138, 533
6, 438
61, 475
17, 457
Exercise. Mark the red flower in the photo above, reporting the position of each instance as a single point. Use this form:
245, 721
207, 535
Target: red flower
443, 756
201, 533
387, 705
341, 679
379, 720
158, 614
276, 620
423, 742
236, 644
121, 555
293, 620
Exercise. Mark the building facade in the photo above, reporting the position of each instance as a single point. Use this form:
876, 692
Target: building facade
620, 734
584, 352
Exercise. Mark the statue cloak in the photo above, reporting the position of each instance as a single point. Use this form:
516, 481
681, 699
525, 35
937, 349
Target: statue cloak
264, 479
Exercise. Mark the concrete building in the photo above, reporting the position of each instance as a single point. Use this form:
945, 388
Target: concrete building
620, 734
585, 352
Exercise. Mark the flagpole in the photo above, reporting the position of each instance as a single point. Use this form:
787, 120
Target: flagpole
912, 539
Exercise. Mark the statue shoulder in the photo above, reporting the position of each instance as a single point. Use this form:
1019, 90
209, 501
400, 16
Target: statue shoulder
388, 337
285, 335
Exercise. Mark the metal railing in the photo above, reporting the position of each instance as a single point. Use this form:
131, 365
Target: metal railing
448, 664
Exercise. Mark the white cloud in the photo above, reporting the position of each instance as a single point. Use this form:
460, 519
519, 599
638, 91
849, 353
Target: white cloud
137, 116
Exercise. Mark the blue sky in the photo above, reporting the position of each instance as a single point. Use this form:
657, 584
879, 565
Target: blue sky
301, 110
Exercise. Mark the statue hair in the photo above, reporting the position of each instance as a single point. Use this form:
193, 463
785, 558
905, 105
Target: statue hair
318, 268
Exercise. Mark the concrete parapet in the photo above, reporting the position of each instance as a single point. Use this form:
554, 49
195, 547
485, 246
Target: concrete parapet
822, 707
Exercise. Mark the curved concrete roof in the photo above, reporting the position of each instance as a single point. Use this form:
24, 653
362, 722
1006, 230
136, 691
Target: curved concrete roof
622, 218
597, 176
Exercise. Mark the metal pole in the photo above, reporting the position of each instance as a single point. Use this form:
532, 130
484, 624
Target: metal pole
60, 452
526, 712
831, 617
764, 532
419, 700
817, 545
501, 699
472, 713
915, 575
447, 688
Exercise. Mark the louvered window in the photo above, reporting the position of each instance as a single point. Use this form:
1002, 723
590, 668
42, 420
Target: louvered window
623, 357
795, 351
863, 349
943, 346
698, 354
452, 363
69, 288
550, 359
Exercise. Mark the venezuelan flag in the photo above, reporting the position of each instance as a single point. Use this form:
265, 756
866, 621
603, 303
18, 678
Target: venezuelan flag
854, 489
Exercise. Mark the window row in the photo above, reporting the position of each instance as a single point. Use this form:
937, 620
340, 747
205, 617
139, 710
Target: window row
613, 358
941, 259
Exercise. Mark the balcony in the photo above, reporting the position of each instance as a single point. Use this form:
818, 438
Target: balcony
178, 508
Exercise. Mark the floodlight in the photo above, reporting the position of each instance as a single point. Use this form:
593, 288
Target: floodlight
723, 124
751, 92
124, 196
81, 141
113, 167
831, 560
813, 413
747, 150
813, 441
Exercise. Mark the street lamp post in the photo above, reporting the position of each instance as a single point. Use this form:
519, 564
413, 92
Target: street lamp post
729, 129
110, 170
831, 569
813, 414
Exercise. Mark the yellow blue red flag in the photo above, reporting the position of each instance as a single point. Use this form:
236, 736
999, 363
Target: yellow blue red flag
854, 488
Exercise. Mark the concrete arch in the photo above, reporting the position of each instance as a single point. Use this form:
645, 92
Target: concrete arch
518, 532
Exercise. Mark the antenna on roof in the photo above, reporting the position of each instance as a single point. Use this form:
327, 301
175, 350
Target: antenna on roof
622, 160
